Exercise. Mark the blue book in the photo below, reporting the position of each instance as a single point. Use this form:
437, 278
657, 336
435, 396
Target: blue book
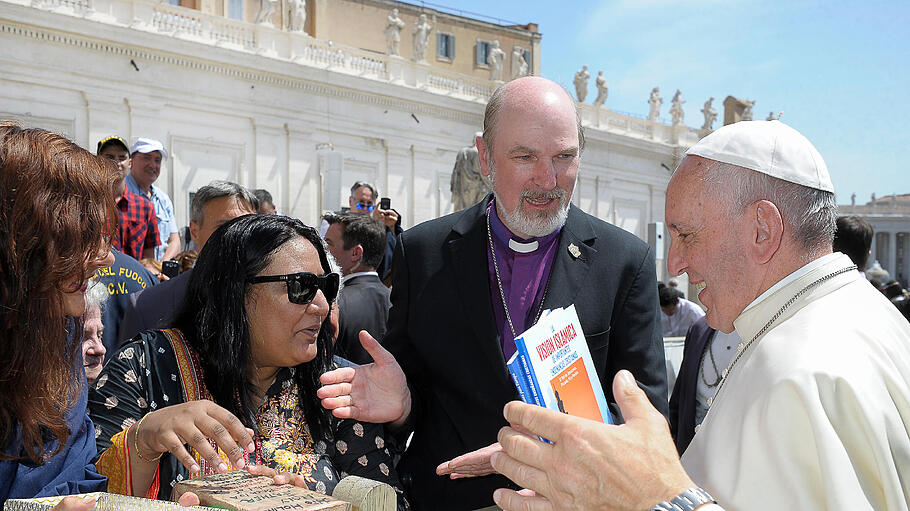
516, 369
557, 369
533, 385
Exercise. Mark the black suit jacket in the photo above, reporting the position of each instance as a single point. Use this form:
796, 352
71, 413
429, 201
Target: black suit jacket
154, 307
442, 332
682, 402
363, 304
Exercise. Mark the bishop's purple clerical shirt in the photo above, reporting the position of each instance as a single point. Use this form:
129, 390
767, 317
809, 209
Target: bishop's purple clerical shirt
524, 279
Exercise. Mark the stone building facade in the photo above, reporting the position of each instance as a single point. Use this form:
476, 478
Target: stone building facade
890, 219
297, 113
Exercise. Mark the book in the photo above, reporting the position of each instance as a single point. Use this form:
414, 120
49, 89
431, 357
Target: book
242, 491
103, 502
552, 367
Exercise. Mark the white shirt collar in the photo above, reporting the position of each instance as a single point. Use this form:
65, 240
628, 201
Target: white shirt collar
523, 248
353, 275
793, 276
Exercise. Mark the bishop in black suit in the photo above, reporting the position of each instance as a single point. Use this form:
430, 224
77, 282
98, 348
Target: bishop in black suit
443, 329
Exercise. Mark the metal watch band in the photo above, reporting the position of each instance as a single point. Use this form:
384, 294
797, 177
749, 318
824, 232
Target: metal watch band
686, 501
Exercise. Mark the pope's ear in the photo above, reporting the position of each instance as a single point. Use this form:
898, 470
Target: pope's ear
768, 228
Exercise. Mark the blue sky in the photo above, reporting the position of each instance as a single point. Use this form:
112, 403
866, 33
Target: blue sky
840, 71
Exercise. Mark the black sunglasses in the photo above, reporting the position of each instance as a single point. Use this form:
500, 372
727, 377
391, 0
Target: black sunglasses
302, 287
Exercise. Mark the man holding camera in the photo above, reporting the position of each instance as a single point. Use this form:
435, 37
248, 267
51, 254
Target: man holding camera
363, 202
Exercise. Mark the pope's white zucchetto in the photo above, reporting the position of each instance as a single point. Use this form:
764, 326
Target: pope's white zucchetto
769, 147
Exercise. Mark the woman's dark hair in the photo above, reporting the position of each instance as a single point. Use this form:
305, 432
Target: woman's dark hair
56, 210
214, 318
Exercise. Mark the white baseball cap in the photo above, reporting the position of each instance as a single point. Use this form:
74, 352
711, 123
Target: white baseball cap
769, 147
147, 145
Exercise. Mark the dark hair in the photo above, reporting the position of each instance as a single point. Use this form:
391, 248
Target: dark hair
669, 296
364, 184
263, 196
217, 190
362, 230
893, 289
56, 207
113, 139
903, 305
853, 237
214, 319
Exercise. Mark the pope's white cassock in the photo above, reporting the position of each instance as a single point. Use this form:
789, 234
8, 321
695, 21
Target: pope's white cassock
816, 412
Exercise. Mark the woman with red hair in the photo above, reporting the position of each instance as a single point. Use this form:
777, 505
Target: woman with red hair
56, 211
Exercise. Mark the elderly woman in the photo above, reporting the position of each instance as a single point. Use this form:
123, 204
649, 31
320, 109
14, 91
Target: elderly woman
55, 209
93, 349
246, 351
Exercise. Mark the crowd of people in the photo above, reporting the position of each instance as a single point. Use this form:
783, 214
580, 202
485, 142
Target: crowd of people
358, 348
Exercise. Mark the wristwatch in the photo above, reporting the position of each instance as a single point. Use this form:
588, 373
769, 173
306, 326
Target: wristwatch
686, 501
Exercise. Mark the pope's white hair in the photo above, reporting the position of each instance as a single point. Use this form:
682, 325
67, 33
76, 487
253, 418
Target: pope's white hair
810, 213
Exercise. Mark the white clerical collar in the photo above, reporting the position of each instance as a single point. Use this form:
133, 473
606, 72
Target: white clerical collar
358, 274
523, 248
793, 276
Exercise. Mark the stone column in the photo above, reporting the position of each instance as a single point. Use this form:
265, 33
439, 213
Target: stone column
873, 256
146, 120
422, 203
301, 197
904, 270
399, 179
331, 165
105, 115
270, 157
892, 254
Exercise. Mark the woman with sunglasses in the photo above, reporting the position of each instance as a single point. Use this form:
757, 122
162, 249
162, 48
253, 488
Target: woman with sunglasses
236, 376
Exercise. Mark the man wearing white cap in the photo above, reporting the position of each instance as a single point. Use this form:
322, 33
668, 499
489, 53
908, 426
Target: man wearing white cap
814, 410
146, 156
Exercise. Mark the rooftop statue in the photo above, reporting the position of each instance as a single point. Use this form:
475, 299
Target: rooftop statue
710, 114
519, 64
601, 83
676, 109
266, 9
581, 83
654, 103
495, 57
421, 34
296, 15
392, 33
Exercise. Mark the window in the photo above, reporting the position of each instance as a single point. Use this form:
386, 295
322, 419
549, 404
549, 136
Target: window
483, 49
234, 9
445, 46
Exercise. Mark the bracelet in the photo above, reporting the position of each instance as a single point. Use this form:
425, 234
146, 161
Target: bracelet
688, 500
136, 444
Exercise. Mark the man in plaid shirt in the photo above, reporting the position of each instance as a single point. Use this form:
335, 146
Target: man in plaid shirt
138, 233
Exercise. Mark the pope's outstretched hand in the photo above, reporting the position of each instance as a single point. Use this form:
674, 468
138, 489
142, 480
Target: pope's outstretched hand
376, 392
589, 465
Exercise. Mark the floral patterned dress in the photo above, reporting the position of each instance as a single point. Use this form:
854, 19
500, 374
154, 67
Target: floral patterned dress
156, 370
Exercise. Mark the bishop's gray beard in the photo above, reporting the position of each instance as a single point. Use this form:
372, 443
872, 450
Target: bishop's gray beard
533, 223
